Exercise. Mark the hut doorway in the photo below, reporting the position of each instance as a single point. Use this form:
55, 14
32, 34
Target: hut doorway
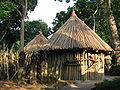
71, 69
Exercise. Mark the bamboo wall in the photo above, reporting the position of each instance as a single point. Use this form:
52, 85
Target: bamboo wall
71, 65
66, 65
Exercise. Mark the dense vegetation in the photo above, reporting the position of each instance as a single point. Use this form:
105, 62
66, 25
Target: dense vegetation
10, 19
108, 85
115, 70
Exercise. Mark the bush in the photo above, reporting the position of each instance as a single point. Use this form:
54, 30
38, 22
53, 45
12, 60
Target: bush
108, 85
115, 70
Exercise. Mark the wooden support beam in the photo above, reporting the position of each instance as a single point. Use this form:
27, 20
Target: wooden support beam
82, 66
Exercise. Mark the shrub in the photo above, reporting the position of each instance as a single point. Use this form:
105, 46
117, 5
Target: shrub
108, 85
115, 70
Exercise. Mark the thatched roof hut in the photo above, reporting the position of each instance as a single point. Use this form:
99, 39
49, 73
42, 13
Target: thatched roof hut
76, 34
36, 43
74, 52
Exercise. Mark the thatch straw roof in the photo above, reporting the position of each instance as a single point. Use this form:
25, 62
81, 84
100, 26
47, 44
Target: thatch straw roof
76, 34
36, 43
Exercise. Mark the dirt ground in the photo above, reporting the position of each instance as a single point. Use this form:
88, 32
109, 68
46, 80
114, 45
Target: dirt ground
85, 85
73, 85
10, 85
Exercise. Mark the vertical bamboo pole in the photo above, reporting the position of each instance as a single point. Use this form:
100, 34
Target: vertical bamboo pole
58, 64
82, 66
89, 64
95, 73
86, 66
60, 68
69, 66
79, 68
103, 62
7, 65
76, 66
63, 70
72, 66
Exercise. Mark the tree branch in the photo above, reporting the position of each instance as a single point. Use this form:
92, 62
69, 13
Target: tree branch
3, 36
19, 12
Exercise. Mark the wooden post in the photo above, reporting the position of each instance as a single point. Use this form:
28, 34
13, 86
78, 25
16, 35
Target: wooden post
86, 66
103, 62
79, 69
82, 66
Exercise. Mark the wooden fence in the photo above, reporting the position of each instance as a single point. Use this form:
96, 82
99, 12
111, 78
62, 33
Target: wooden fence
8, 64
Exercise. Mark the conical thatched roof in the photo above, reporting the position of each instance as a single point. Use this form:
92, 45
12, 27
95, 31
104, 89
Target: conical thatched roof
36, 43
76, 34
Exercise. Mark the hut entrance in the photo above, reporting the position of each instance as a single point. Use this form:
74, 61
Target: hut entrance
71, 69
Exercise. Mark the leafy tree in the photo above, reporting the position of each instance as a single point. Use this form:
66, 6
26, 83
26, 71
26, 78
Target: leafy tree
5, 9
61, 18
106, 5
8, 23
32, 29
25, 6
11, 25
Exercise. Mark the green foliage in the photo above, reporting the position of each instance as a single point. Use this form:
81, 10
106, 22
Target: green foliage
32, 29
108, 85
115, 70
32, 4
8, 23
6, 8
10, 20
61, 18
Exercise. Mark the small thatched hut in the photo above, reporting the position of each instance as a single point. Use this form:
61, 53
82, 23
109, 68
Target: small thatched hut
34, 58
75, 52
36, 43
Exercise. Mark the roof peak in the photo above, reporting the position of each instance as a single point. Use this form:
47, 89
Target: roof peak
40, 32
73, 13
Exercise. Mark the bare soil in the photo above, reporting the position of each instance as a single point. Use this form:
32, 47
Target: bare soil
72, 85
86, 85
10, 85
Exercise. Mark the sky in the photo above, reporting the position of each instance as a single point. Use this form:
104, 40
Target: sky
46, 10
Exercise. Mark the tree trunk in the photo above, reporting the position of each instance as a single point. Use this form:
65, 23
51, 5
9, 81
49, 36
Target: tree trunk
115, 38
112, 28
23, 14
22, 35
22, 57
